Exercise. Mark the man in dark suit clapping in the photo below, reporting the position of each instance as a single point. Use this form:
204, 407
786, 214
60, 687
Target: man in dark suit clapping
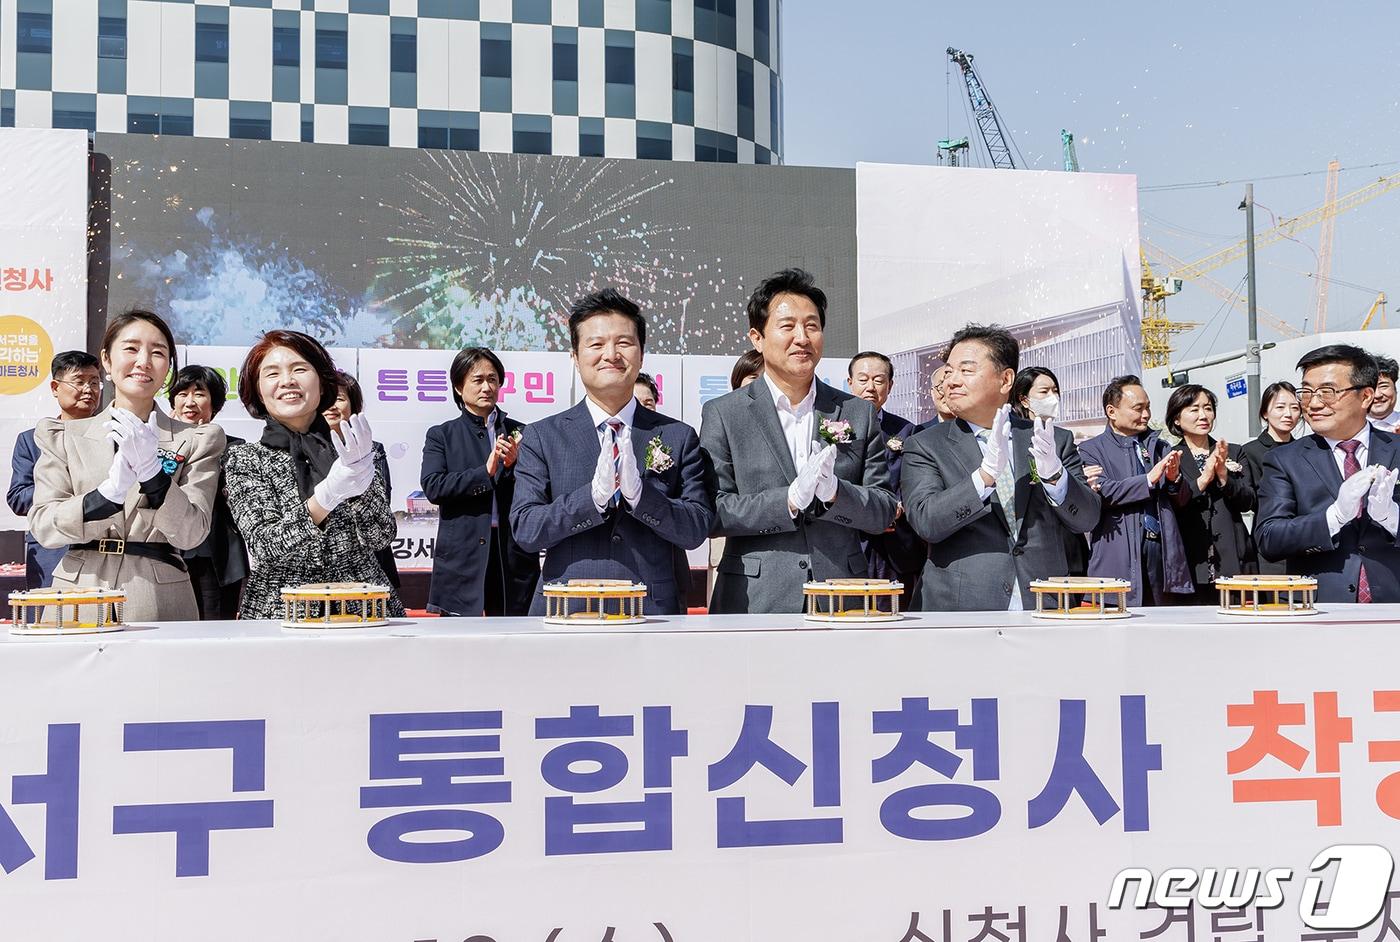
1327, 500
610, 489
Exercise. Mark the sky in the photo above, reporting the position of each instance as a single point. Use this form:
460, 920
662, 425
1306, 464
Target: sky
1184, 93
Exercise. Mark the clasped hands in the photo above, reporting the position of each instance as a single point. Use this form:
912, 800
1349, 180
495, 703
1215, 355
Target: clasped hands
622, 476
353, 469
1374, 488
816, 480
1044, 452
136, 458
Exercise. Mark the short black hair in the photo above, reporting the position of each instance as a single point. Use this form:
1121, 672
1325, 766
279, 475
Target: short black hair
1021, 387
120, 322
750, 363
1004, 350
607, 301
351, 385
1271, 393
869, 355
1387, 367
462, 365
1181, 398
646, 380
72, 360
1364, 371
203, 377
303, 345
1113, 392
787, 281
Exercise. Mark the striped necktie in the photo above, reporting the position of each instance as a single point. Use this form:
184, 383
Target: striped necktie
1350, 465
615, 426
1006, 488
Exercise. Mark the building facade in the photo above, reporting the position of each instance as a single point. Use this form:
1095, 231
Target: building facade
654, 79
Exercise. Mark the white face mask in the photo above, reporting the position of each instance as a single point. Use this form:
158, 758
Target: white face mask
1047, 408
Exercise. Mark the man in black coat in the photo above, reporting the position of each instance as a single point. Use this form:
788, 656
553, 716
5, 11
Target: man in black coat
469, 472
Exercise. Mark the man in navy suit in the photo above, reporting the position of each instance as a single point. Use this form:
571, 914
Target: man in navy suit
610, 489
469, 472
1327, 500
898, 553
76, 382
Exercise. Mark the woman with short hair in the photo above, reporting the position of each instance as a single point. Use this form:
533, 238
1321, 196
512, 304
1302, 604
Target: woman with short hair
1211, 522
309, 502
219, 565
130, 488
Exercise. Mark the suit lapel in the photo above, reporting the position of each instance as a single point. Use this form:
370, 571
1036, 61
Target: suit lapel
580, 433
1021, 467
643, 424
1322, 461
825, 406
764, 412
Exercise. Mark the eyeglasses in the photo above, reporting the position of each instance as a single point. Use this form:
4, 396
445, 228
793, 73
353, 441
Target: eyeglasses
90, 386
1325, 394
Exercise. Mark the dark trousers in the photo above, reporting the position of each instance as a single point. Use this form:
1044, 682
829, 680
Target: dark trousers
494, 589
215, 602
1154, 587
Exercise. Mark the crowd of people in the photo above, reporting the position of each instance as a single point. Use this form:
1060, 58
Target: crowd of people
792, 480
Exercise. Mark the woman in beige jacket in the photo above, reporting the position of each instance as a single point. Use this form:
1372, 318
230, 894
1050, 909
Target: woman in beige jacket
129, 488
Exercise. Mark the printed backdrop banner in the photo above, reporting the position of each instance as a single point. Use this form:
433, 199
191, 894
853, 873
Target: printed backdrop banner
43, 270
982, 779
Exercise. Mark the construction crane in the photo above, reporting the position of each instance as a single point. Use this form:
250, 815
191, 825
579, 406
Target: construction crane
1324, 243
1156, 329
1071, 158
1198, 270
1237, 300
1376, 305
952, 152
984, 112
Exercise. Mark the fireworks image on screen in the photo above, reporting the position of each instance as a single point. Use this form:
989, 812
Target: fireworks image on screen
494, 248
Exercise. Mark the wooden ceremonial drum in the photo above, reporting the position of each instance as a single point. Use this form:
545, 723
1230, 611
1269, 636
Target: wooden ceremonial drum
66, 611
1100, 598
335, 605
605, 602
851, 600
1267, 596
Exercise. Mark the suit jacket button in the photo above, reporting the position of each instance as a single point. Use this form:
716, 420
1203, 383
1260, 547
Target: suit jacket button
802, 564
1351, 588
481, 542
1017, 551
1006, 587
617, 537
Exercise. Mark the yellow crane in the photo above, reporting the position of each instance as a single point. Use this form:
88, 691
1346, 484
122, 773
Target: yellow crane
1324, 244
1156, 331
1376, 305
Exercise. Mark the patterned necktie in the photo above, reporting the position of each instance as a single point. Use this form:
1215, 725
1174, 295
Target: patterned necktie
1006, 488
615, 426
1351, 465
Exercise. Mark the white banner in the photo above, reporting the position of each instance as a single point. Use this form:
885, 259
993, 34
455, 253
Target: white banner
441, 781
43, 273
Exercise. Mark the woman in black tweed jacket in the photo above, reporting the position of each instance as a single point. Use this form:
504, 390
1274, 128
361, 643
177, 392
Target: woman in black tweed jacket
310, 504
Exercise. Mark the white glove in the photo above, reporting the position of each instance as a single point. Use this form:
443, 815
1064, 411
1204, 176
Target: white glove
1380, 500
803, 488
120, 480
1353, 491
137, 442
826, 474
1043, 450
357, 446
605, 475
630, 477
353, 470
998, 451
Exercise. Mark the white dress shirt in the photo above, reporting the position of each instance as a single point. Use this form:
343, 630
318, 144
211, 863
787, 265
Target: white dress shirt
796, 421
1363, 454
1388, 423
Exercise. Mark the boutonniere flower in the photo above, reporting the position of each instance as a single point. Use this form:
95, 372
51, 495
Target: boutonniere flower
836, 432
658, 458
895, 445
1035, 475
1233, 466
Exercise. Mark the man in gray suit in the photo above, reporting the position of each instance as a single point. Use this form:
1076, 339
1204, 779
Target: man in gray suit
610, 489
992, 493
800, 467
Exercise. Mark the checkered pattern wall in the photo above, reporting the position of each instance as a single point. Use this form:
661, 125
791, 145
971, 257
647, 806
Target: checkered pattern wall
660, 79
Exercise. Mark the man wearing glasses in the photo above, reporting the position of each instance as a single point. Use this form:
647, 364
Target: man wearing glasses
76, 383
1327, 501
